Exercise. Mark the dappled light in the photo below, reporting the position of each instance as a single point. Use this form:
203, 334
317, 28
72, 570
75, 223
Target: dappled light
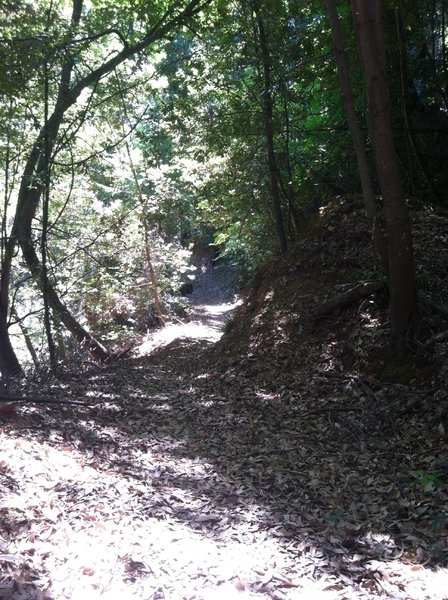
223, 300
261, 464
181, 481
206, 324
208, 316
111, 545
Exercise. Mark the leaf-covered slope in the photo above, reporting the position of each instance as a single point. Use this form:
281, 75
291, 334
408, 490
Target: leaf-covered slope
279, 316
276, 465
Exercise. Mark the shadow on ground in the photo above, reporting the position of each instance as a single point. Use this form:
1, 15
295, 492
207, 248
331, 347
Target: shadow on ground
218, 451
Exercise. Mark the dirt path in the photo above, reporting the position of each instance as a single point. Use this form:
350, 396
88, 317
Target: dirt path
181, 483
183, 478
212, 302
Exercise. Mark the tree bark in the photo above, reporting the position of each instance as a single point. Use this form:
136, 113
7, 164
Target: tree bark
26, 337
401, 270
359, 144
295, 219
44, 235
268, 117
9, 363
95, 347
149, 263
416, 164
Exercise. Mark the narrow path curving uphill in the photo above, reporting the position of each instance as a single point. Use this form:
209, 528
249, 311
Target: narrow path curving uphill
213, 300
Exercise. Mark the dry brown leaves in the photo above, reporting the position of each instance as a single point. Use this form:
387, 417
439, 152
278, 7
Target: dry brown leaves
275, 466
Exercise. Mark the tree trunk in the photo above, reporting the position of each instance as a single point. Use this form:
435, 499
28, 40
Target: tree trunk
149, 264
9, 364
401, 272
268, 117
359, 145
97, 350
26, 337
151, 271
415, 161
44, 236
295, 219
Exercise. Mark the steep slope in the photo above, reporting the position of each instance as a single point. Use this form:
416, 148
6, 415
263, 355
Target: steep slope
280, 315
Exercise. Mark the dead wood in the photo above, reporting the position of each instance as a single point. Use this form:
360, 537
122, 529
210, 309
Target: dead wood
352, 295
23, 400
435, 339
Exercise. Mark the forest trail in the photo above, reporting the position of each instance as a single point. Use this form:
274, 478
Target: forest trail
212, 302
284, 451
195, 473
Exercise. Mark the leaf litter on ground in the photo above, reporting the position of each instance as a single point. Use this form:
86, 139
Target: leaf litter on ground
272, 464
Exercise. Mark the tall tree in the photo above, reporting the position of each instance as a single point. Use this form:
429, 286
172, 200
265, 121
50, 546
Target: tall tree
359, 142
268, 118
367, 19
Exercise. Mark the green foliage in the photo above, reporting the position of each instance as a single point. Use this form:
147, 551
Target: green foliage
96, 244
190, 109
219, 92
335, 516
230, 324
428, 480
431, 484
113, 282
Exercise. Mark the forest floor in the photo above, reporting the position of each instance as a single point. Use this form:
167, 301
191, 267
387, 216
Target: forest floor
291, 459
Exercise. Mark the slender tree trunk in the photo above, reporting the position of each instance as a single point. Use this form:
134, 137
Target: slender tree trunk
149, 263
151, 271
359, 144
415, 160
44, 236
62, 350
9, 364
26, 337
154, 286
268, 117
295, 220
401, 274
95, 347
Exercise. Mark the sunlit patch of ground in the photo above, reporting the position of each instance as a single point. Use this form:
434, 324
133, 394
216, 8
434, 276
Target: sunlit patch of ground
218, 485
207, 324
78, 531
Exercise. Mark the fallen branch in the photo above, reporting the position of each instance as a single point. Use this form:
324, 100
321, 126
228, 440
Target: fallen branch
352, 295
435, 339
22, 400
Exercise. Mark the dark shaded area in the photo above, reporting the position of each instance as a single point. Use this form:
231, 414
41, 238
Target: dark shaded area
186, 289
